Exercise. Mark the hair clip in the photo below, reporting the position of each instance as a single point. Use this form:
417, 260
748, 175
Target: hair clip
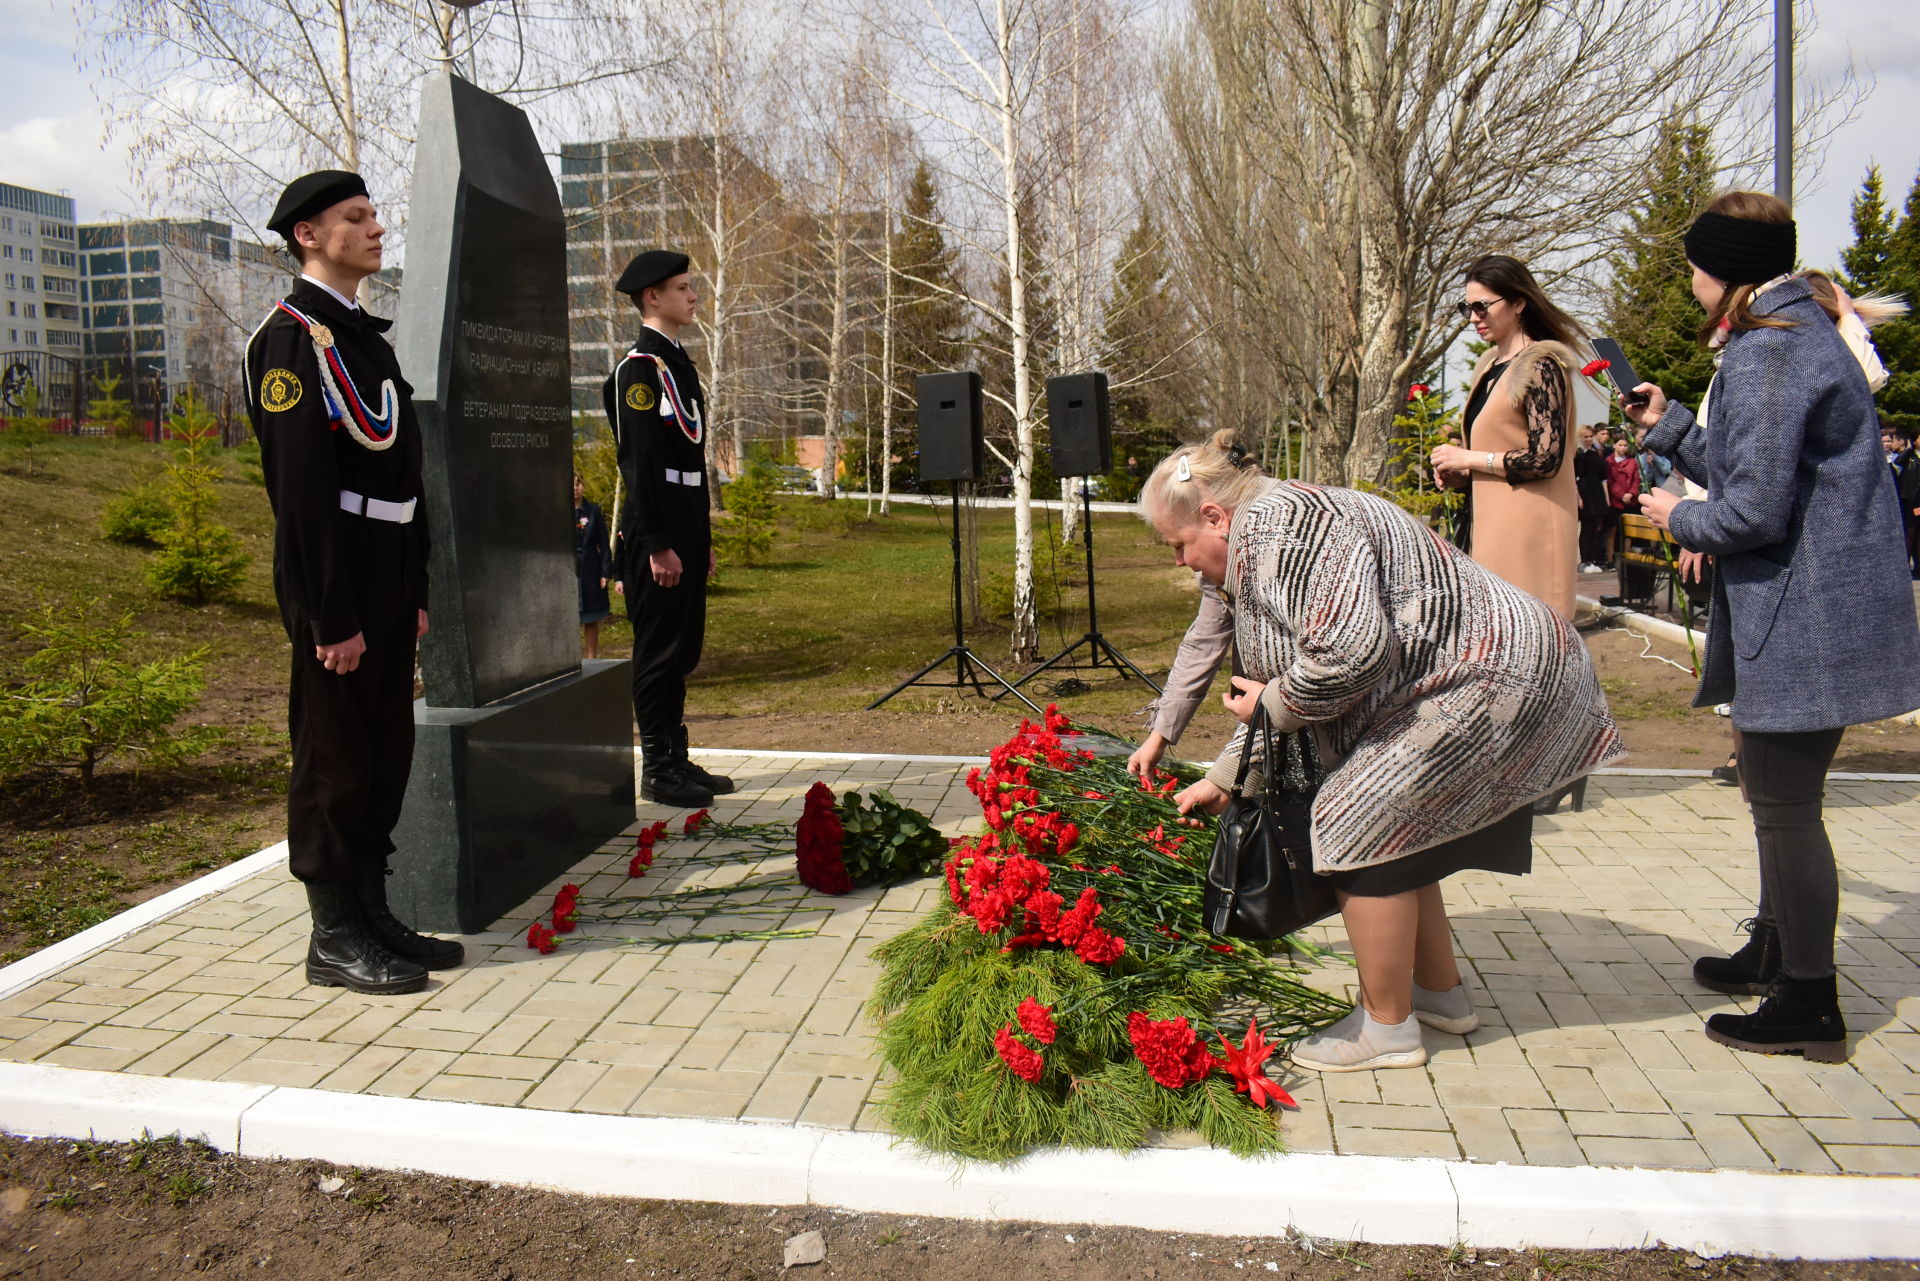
1182, 469
1237, 455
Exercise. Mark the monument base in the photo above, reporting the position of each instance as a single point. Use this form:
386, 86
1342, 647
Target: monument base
504, 798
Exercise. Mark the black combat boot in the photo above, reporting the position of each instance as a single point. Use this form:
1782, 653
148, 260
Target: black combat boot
718, 784
344, 954
1748, 972
1799, 1016
663, 781
370, 890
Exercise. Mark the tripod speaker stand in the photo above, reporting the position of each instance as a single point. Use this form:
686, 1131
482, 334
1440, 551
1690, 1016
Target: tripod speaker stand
1101, 652
952, 449
967, 667
1083, 446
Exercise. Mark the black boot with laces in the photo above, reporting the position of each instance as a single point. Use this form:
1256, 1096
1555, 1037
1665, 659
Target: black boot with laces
1748, 972
390, 932
342, 953
1799, 1016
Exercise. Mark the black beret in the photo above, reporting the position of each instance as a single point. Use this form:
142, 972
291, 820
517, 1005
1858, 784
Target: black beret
314, 193
649, 269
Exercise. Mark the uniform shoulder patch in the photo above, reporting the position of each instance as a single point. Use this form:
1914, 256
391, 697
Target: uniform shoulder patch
640, 397
279, 390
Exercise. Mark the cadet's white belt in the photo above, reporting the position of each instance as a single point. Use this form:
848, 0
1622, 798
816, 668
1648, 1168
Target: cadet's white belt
377, 508
683, 477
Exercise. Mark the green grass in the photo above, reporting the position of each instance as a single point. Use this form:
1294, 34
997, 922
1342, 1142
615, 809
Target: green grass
838, 617
848, 605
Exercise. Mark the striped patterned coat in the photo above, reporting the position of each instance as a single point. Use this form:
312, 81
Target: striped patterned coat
1442, 698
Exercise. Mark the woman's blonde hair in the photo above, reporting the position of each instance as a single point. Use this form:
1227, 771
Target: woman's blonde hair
1736, 305
1217, 470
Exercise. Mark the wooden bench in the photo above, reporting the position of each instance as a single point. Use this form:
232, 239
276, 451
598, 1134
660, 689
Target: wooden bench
1652, 553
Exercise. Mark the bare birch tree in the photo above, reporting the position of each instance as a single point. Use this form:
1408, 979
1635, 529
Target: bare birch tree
1397, 140
992, 75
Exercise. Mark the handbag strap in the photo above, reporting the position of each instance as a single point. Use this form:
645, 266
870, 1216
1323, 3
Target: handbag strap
1261, 723
1274, 764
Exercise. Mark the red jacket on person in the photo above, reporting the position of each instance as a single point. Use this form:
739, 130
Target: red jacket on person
1623, 482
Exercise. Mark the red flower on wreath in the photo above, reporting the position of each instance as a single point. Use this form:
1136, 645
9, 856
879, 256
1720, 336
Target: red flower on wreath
1593, 367
540, 938
819, 844
1097, 947
696, 820
1025, 1063
1249, 1077
1171, 1050
1036, 1020
566, 907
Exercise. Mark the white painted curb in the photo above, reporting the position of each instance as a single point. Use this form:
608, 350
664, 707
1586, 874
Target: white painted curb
1382, 1199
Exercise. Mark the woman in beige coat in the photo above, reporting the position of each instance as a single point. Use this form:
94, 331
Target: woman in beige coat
1523, 508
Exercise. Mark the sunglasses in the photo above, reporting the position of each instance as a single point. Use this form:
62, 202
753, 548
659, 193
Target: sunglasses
1477, 310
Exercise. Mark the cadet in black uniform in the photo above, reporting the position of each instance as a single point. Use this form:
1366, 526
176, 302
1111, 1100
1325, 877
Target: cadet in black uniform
659, 420
341, 452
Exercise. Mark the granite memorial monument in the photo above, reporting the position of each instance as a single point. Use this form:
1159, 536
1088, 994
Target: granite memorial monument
523, 760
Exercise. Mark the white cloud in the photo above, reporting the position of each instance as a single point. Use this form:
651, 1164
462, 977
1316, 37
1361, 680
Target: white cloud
64, 153
38, 21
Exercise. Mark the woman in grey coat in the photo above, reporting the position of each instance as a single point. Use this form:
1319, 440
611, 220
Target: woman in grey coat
1813, 621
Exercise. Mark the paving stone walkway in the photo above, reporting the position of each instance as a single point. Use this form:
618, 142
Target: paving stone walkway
1591, 1053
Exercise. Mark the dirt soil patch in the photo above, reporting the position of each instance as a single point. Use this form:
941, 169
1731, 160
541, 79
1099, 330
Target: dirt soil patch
1650, 688
98, 1211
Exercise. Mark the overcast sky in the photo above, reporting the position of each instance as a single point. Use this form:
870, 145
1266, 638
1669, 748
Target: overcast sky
51, 127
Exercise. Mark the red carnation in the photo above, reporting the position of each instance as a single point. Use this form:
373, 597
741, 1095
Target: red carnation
1169, 1047
566, 906
1036, 1020
1593, 367
640, 862
541, 938
696, 820
1097, 947
1025, 1063
1418, 390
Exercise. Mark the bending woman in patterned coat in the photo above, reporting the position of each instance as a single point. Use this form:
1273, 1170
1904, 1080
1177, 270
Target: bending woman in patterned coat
1443, 701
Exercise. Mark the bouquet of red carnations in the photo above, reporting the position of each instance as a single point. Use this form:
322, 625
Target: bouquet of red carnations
1066, 992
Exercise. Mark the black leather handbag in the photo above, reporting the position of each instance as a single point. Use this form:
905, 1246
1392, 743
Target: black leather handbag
1260, 880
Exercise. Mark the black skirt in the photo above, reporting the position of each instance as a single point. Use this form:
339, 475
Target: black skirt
1503, 846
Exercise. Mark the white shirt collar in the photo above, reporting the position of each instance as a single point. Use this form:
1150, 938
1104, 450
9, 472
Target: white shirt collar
664, 334
338, 297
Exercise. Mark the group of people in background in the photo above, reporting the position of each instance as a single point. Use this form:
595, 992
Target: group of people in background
1444, 685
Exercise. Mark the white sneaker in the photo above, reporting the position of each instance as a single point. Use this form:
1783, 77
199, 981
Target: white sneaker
1448, 1011
1360, 1043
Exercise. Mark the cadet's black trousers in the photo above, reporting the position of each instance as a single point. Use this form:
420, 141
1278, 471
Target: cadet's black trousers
352, 751
669, 627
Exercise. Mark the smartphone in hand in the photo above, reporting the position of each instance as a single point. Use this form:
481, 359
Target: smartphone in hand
1619, 371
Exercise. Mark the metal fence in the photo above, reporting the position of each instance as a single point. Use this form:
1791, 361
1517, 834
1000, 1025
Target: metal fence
69, 392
